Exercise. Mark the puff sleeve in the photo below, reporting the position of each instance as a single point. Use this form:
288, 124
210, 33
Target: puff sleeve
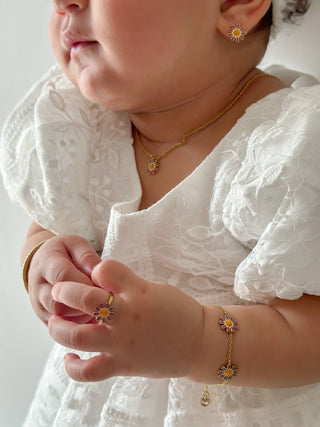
56, 151
274, 204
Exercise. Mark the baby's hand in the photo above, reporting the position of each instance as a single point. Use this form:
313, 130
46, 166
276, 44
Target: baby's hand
61, 258
153, 330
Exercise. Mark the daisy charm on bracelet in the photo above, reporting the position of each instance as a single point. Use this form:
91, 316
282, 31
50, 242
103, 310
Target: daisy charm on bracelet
227, 372
228, 323
230, 326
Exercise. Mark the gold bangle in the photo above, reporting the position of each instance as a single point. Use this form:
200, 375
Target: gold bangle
229, 370
26, 264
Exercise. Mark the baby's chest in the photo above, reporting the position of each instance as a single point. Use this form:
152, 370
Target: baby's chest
183, 234
158, 177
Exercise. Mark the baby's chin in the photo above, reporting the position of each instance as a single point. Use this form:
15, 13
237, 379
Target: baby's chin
118, 96
103, 98
107, 100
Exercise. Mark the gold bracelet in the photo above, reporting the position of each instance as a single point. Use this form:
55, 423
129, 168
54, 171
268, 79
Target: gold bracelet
229, 370
26, 264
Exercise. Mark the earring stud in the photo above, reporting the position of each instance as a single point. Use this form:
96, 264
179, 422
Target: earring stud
236, 33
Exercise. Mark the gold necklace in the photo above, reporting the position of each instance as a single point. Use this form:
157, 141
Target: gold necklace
153, 164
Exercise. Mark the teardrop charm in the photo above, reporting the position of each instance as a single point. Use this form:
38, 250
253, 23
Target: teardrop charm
205, 399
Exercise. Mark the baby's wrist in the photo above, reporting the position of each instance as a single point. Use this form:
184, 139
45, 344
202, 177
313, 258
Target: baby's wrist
27, 262
33, 240
212, 350
31, 246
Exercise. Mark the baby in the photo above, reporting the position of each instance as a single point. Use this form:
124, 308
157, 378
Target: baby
174, 189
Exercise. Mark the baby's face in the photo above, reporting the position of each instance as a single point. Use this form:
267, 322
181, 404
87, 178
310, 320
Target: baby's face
130, 54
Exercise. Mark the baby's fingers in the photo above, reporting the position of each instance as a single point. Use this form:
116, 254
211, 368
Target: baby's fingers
83, 255
62, 269
50, 305
84, 298
97, 368
87, 337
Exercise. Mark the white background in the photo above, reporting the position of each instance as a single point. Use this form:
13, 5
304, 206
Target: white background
24, 56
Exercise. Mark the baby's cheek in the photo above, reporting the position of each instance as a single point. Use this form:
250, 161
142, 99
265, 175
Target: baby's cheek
54, 30
60, 52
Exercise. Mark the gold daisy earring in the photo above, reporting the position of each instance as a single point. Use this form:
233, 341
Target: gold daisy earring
236, 33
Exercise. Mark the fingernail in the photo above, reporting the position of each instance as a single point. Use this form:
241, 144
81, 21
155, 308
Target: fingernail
55, 292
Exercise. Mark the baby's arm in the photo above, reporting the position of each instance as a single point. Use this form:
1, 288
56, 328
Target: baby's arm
60, 258
277, 345
158, 331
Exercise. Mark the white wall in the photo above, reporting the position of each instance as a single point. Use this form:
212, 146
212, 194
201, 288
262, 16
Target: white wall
299, 48
24, 344
25, 56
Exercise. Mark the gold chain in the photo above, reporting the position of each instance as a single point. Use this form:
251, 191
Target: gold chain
154, 162
228, 371
229, 349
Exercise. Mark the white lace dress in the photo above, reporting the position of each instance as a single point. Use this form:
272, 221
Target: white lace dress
243, 227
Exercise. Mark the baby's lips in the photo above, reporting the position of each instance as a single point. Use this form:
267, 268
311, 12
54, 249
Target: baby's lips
71, 39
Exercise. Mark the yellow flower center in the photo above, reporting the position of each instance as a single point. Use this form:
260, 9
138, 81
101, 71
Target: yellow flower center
236, 33
228, 373
104, 312
229, 323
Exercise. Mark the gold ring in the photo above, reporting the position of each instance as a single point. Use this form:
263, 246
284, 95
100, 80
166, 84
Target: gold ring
104, 312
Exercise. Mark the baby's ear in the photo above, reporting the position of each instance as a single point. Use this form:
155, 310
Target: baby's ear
245, 13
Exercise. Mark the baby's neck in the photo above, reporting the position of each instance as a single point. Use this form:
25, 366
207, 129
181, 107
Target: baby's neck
168, 124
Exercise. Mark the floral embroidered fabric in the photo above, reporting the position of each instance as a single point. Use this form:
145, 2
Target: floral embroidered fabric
243, 227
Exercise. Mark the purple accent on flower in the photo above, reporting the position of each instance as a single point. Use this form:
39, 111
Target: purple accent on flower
236, 33
101, 316
227, 372
228, 323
